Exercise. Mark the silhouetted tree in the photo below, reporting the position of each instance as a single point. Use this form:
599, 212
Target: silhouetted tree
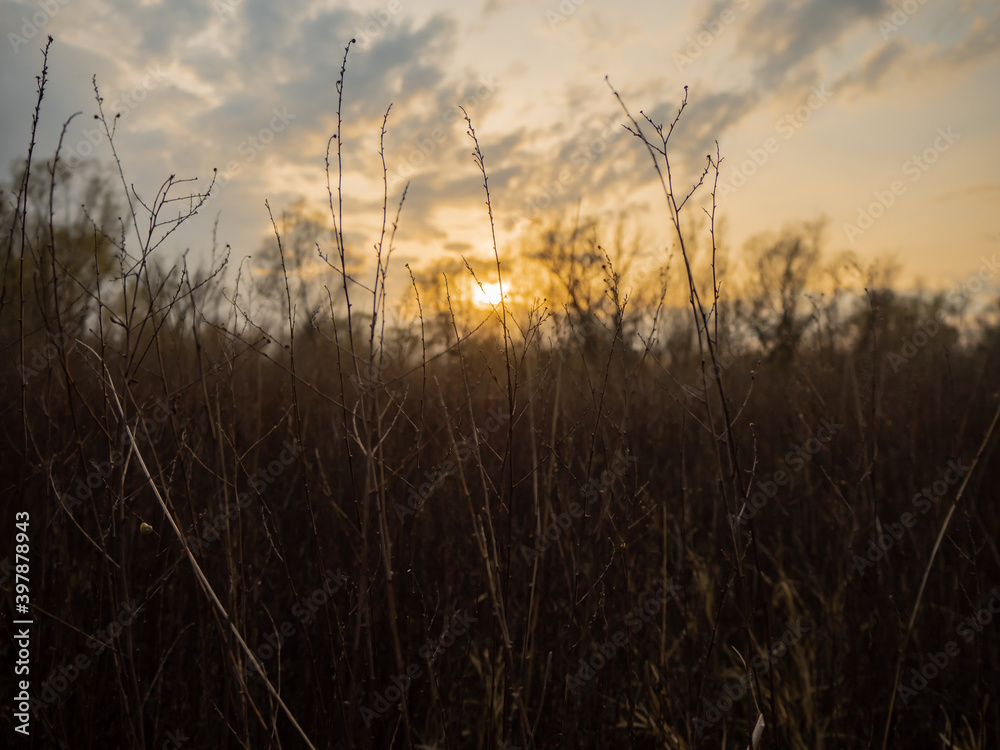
780, 269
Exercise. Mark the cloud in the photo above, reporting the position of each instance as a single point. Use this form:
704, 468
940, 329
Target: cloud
902, 59
298, 61
783, 45
780, 37
706, 119
875, 69
493, 7
791, 47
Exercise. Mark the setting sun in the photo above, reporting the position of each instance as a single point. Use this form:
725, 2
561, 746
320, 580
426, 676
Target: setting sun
488, 295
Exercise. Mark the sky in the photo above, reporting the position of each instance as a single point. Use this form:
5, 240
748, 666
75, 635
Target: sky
880, 117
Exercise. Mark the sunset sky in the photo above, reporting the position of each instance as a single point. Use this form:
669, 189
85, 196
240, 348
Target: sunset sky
821, 108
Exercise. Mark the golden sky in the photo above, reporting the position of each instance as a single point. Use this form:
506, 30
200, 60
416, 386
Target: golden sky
882, 117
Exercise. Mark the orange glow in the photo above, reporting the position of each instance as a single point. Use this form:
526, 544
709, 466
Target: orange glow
488, 295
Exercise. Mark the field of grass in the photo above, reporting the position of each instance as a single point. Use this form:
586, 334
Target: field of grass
619, 521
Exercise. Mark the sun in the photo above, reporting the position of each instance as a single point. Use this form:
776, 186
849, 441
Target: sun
487, 296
